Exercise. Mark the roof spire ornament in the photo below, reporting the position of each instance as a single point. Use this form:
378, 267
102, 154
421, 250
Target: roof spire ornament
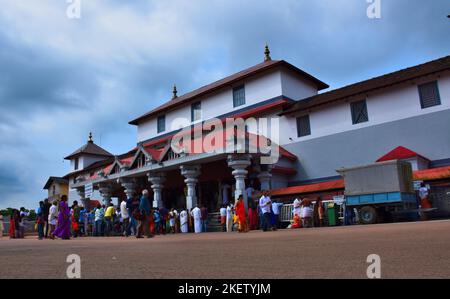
174, 92
267, 53
90, 138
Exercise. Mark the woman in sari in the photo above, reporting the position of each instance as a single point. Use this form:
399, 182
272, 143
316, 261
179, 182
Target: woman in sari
12, 227
242, 217
63, 229
253, 217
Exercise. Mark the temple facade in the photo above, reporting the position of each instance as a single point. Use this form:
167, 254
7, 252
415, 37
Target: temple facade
307, 134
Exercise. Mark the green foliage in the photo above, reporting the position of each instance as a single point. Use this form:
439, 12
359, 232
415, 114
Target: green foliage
32, 215
6, 212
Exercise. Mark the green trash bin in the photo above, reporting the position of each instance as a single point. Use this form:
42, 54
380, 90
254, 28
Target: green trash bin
331, 210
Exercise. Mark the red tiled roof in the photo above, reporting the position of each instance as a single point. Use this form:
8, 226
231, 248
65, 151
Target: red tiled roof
432, 174
126, 161
435, 66
399, 153
228, 81
317, 187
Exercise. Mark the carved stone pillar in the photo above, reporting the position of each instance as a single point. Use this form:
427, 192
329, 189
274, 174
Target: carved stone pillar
190, 173
84, 201
106, 193
239, 163
129, 185
157, 180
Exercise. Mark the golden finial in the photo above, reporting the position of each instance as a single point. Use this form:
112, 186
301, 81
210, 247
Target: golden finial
90, 137
174, 92
267, 53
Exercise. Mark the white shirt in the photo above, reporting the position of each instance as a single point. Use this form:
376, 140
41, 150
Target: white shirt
183, 217
297, 203
223, 211
297, 211
264, 203
306, 212
196, 213
53, 213
276, 207
229, 210
124, 210
423, 192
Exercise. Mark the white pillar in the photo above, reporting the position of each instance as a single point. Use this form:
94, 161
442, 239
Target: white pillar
264, 179
157, 180
239, 163
83, 199
129, 184
106, 193
190, 173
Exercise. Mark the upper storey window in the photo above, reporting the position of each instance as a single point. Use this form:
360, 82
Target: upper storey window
429, 95
239, 96
161, 126
359, 112
196, 111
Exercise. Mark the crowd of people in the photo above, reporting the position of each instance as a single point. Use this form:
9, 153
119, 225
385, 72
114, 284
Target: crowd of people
135, 217
17, 223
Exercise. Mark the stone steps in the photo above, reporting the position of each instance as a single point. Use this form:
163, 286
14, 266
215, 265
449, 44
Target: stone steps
214, 223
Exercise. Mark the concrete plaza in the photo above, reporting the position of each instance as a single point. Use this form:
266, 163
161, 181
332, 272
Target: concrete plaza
407, 250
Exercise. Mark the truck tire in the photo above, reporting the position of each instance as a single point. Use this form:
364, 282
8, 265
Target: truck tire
368, 215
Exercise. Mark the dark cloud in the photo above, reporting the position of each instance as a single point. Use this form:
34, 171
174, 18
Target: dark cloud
32, 79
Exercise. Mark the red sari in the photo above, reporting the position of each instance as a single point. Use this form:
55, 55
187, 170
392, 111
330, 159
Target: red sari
240, 212
253, 217
12, 228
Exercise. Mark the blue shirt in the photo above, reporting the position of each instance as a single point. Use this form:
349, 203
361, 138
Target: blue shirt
157, 217
82, 215
144, 205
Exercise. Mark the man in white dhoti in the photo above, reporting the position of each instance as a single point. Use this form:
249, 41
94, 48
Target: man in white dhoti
184, 221
197, 215
230, 215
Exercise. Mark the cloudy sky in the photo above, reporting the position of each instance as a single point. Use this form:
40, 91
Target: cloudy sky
61, 78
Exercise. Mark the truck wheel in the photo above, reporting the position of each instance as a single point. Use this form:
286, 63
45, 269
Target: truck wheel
368, 215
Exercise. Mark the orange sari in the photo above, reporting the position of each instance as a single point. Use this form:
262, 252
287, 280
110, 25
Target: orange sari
240, 212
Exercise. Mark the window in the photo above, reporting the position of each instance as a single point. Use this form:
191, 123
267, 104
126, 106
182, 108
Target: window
238, 96
141, 161
429, 95
303, 126
196, 111
161, 123
76, 164
359, 112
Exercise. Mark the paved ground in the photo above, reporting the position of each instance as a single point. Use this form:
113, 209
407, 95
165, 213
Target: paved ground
411, 250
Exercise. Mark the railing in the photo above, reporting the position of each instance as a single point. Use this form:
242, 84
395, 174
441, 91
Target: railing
286, 212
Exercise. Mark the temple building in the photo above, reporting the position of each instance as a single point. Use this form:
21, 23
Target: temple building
401, 115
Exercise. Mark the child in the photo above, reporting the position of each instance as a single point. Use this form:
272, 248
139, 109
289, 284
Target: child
296, 222
40, 221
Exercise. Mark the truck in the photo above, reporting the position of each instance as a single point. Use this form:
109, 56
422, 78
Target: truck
381, 190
